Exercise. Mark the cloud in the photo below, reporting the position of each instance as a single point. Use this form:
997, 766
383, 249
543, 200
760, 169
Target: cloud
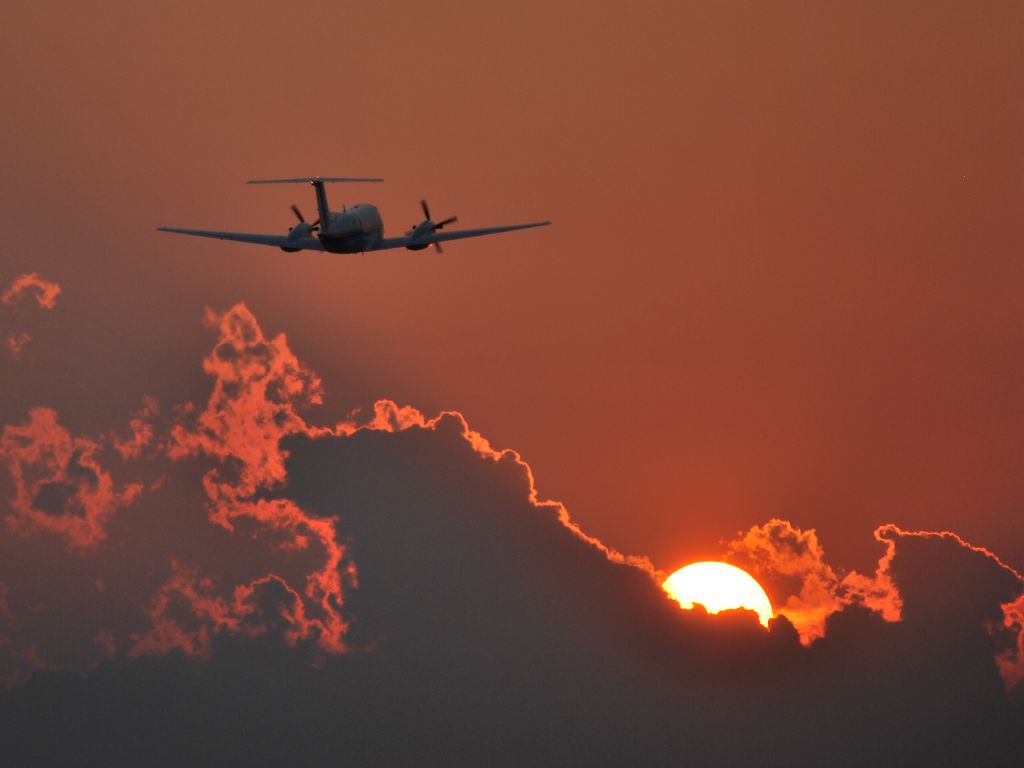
18, 654
953, 587
779, 549
390, 417
1011, 659
394, 589
60, 487
259, 387
803, 586
44, 291
187, 615
932, 577
15, 341
143, 431
204, 614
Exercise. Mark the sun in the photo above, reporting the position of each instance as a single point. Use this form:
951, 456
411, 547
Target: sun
718, 587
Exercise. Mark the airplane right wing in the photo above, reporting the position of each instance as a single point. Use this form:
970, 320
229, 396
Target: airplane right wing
444, 237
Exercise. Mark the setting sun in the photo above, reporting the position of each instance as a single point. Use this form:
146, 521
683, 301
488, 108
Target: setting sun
718, 587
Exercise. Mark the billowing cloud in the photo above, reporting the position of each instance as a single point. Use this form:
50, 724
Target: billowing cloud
394, 586
259, 387
44, 291
792, 562
952, 586
805, 588
59, 485
918, 568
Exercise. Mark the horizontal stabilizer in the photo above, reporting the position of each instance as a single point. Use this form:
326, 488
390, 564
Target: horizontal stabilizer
307, 180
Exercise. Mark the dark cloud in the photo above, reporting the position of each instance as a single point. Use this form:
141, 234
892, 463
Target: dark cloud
393, 590
1011, 660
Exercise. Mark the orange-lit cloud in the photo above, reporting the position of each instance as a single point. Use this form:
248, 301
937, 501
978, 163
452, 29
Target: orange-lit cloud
324, 587
15, 341
295, 582
142, 429
1011, 660
793, 562
187, 615
45, 291
780, 549
259, 386
185, 594
59, 485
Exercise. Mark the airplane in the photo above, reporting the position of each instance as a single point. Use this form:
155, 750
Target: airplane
354, 229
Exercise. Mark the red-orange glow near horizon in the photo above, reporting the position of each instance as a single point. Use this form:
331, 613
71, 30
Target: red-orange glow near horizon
718, 587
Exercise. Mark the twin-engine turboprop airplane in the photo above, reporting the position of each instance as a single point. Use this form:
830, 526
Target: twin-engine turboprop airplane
354, 229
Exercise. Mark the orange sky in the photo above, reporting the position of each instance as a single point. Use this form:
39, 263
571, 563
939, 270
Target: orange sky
783, 279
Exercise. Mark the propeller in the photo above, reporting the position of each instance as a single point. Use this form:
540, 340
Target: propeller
302, 220
429, 226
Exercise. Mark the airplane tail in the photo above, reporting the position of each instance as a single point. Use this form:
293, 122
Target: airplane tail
318, 183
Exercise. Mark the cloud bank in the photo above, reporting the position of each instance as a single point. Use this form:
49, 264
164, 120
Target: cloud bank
393, 589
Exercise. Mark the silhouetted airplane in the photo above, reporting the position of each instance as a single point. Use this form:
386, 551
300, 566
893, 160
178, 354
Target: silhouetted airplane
354, 229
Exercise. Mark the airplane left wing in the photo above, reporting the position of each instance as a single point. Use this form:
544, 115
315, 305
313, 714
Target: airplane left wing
302, 243
443, 237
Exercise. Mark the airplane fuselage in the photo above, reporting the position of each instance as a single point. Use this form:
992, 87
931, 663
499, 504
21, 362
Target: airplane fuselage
353, 230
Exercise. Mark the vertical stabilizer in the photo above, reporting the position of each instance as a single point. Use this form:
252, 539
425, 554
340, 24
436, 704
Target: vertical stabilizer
321, 203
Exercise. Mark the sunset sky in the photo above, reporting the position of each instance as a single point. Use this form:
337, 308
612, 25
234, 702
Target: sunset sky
778, 311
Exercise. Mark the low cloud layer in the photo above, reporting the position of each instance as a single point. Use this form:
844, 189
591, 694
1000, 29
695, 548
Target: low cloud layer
392, 588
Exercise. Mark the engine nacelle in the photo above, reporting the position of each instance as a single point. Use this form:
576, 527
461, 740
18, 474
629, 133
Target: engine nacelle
298, 232
421, 230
